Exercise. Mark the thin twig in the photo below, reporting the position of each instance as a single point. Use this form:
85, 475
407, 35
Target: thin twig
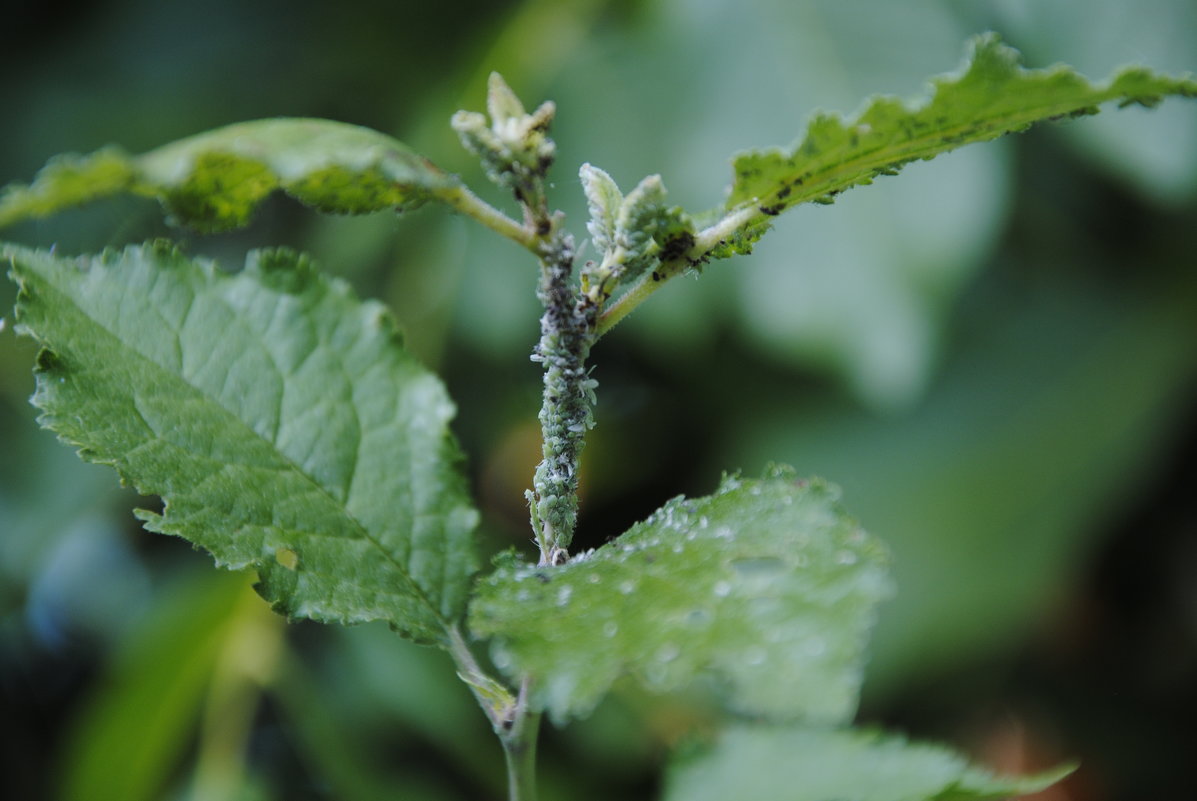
465, 201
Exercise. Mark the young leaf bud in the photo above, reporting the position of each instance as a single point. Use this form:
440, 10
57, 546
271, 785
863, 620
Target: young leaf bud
604, 199
501, 103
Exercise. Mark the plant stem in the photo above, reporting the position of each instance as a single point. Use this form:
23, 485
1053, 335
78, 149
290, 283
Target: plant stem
463, 200
639, 293
514, 721
517, 153
566, 334
519, 749
495, 699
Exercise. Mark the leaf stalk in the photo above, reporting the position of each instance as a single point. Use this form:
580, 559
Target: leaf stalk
461, 199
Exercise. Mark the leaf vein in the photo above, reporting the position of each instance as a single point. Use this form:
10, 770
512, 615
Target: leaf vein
133, 347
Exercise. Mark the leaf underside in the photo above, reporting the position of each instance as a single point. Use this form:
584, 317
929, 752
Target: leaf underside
215, 180
792, 764
766, 584
278, 417
993, 95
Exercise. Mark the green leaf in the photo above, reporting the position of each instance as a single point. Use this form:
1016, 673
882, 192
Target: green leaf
277, 415
767, 583
645, 228
633, 233
986, 510
991, 97
1152, 155
215, 180
791, 764
603, 201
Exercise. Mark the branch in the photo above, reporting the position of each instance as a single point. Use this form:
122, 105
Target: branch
463, 200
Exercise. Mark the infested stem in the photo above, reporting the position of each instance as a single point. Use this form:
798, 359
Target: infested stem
516, 151
566, 334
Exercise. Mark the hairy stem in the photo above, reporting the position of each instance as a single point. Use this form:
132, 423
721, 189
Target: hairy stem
469, 204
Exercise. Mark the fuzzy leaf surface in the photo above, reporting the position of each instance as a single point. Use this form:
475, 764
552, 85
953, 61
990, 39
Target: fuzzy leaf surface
794, 764
993, 95
277, 415
215, 180
766, 583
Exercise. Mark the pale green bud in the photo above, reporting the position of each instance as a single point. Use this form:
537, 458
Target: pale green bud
514, 148
604, 199
501, 102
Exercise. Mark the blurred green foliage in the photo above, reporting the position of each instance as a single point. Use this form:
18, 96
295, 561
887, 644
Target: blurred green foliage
1000, 374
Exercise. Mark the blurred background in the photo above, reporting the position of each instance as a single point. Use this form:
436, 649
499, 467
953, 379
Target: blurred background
993, 354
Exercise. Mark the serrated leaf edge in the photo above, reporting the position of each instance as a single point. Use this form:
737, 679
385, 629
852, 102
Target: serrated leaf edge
149, 517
